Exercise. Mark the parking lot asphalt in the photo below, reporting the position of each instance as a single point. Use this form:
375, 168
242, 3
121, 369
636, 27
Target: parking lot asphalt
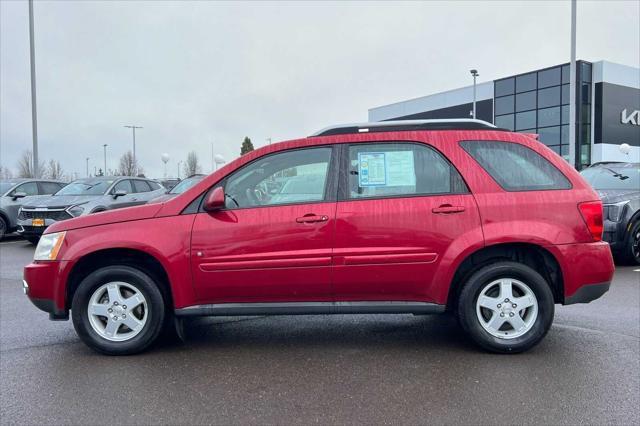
369, 369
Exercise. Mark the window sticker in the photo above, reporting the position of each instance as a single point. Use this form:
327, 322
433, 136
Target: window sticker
372, 169
400, 168
393, 168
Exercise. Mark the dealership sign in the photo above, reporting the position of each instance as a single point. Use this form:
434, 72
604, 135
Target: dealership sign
632, 118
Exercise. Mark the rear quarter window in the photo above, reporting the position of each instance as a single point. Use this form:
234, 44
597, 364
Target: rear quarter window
516, 167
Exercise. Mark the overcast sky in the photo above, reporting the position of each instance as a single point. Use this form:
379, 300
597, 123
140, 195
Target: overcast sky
196, 73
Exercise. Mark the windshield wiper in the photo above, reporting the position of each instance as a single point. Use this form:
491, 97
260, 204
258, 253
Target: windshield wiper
616, 174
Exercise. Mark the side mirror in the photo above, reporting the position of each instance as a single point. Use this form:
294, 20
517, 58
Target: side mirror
17, 195
215, 200
119, 193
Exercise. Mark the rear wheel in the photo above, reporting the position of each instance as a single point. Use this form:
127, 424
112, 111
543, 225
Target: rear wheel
506, 307
118, 310
3, 227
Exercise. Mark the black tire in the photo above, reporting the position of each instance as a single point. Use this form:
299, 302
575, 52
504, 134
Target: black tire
630, 254
3, 227
155, 313
33, 240
471, 290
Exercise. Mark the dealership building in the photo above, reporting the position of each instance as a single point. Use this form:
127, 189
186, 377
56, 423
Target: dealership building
607, 99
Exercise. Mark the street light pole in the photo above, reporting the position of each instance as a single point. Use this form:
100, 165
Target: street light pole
104, 172
87, 166
475, 74
179, 163
34, 114
135, 164
572, 88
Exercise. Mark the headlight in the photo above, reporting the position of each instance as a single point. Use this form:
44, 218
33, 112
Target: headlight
614, 211
75, 211
49, 246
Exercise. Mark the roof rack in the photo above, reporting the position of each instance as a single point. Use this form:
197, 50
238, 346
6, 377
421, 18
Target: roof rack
406, 125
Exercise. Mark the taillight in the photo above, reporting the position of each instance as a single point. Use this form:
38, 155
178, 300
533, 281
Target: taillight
592, 214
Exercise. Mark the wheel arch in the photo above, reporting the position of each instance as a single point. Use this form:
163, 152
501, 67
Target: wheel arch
533, 255
119, 256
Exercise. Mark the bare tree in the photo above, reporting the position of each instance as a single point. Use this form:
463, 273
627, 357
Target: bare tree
192, 165
127, 165
5, 173
25, 165
54, 170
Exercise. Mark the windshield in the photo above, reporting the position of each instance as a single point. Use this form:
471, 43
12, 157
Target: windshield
5, 186
96, 187
185, 184
613, 176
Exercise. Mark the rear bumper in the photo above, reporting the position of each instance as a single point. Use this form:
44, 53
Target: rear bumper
587, 270
587, 293
44, 285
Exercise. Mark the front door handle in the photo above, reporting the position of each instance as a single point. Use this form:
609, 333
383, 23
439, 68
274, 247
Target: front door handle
448, 209
310, 218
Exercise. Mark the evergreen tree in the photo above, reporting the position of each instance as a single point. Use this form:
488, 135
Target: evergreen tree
247, 146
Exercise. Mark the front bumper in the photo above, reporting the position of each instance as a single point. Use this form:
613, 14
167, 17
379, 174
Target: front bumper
44, 284
26, 228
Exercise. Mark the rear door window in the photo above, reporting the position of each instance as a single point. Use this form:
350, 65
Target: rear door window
398, 169
141, 186
47, 188
516, 167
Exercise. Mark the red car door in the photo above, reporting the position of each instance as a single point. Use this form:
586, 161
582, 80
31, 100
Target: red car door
273, 241
401, 207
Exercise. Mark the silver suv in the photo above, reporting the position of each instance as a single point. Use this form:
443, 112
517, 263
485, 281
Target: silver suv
82, 197
16, 192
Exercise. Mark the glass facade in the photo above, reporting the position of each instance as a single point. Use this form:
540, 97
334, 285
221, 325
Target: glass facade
538, 102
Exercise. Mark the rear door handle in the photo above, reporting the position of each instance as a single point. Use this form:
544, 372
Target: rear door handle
448, 209
310, 218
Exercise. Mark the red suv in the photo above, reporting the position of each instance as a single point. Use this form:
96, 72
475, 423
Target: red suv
412, 217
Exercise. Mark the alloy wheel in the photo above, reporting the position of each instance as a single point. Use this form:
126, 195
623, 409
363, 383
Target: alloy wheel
117, 311
635, 245
506, 308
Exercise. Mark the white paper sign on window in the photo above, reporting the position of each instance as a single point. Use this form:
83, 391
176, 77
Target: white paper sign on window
392, 168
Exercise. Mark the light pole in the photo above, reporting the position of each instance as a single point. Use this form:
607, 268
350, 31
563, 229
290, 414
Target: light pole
179, 163
269, 140
34, 114
475, 75
572, 88
104, 171
135, 164
87, 166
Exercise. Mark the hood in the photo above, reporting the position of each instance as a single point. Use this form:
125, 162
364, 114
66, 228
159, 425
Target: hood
60, 201
611, 196
104, 218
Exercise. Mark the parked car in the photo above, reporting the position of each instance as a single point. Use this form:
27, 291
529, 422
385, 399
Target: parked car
82, 197
415, 217
16, 192
169, 183
618, 185
179, 188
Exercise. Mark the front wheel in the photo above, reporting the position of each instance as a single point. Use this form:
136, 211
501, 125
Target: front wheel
33, 240
118, 310
506, 307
